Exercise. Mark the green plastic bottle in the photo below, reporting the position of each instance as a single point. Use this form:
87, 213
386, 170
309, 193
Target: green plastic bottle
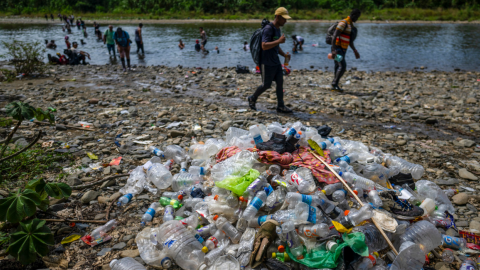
164, 201
283, 257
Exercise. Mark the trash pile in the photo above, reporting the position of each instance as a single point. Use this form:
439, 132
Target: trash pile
288, 196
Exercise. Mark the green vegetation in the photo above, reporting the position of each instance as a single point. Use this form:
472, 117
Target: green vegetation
27, 57
464, 10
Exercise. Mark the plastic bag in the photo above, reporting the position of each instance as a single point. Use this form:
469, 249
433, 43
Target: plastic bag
238, 184
325, 259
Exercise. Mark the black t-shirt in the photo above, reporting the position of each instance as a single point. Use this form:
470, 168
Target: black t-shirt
270, 57
197, 47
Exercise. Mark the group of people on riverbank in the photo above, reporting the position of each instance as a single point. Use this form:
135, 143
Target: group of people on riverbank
270, 67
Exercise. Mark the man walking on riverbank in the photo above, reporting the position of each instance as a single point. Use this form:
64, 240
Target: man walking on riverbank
122, 38
343, 37
203, 35
108, 39
271, 68
139, 38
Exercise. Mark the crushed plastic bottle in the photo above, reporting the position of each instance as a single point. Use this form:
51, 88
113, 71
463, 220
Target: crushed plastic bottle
126, 264
148, 216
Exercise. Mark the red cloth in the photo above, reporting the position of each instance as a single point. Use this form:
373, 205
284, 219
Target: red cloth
300, 158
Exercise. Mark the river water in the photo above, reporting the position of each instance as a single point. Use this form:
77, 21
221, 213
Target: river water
382, 46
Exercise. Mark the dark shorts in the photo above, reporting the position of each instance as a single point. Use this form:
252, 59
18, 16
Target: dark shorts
204, 43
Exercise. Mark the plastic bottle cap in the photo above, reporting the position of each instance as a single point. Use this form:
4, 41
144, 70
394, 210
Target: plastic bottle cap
216, 197
346, 212
274, 255
376, 254
356, 192
324, 192
286, 257
204, 249
180, 197
215, 217
281, 248
300, 257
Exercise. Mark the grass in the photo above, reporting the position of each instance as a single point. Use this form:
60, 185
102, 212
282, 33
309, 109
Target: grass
403, 14
33, 163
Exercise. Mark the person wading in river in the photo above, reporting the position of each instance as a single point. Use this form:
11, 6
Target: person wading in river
122, 38
203, 35
139, 38
343, 37
108, 39
271, 68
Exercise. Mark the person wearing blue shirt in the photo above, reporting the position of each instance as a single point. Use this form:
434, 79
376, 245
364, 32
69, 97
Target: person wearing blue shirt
122, 39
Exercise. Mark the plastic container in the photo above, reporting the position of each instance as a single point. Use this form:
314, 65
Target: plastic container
406, 167
424, 234
98, 232
452, 242
448, 256
292, 239
428, 205
159, 175
255, 204
329, 189
156, 151
169, 213
302, 179
374, 199
175, 152
228, 229
126, 264
373, 237
183, 180
357, 180
313, 231
150, 213
124, 199
468, 264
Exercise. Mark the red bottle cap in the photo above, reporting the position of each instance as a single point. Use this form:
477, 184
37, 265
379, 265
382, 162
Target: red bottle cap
215, 217
346, 212
180, 197
356, 192
216, 197
281, 248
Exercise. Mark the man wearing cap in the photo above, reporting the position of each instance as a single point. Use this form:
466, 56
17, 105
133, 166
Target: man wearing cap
271, 67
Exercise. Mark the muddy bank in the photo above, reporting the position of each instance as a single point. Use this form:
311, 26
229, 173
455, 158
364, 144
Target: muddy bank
429, 118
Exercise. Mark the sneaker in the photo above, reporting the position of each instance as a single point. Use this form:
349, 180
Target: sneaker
335, 87
252, 103
284, 109
401, 209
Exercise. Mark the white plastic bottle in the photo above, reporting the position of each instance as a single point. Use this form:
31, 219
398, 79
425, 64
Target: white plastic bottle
160, 175
150, 213
228, 229
168, 214
126, 263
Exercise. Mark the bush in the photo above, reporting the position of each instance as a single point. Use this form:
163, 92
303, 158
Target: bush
27, 57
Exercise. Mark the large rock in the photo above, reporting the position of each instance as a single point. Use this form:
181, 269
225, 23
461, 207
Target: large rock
475, 225
467, 143
132, 253
89, 196
466, 174
225, 125
176, 133
460, 198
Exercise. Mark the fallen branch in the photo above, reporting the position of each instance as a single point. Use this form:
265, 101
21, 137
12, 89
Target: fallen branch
75, 220
24, 149
108, 209
99, 181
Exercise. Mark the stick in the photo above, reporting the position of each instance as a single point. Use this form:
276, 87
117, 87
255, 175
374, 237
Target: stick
24, 149
99, 181
356, 198
75, 220
108, 209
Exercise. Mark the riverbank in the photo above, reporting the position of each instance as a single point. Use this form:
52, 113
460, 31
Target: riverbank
429, 118
376, 16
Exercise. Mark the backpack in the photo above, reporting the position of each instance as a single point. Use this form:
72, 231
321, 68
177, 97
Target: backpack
330, 32
256, 42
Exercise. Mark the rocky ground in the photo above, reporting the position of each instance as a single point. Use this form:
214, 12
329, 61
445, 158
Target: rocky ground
429, 118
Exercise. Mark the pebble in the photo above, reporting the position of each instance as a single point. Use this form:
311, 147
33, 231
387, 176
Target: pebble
89, 196
460, 198
119, 246
467, 175
132, 253
104, 251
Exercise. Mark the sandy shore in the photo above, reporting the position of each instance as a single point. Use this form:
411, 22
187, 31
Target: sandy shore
27, 20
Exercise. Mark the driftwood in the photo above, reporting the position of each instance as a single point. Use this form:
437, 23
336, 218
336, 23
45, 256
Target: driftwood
99, 181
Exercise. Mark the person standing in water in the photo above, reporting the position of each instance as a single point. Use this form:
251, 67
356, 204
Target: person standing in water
46, 17
51, 17
271, 68
67, 42
108, 39
139, 38
203, 36
181, 45
298, 41
122, 39
342, 38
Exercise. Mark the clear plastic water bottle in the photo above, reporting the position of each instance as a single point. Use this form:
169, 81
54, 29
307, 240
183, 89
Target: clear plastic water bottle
373, 237
169, 213
406, 167
350, 158
255, 204
126, 263
357, 180
150, 213
448, 256
160, 175
423, 233
357, 217
176, 153
374, 199
156, 151
257, 185
302, 179
214, 240
255, 133
293, 241
339, 195
329, 189
179, 195
228, 229
207, 230
468, 264
197, 170
183, 180
124, 199
293, 130
313, 231
98, 232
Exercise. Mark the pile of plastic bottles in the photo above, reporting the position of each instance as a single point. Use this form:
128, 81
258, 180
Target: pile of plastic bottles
231, 208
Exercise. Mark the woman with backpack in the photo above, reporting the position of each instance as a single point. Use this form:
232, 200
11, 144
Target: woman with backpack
122, 39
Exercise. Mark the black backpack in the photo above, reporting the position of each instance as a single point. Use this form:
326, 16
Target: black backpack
330, 32
256, 42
